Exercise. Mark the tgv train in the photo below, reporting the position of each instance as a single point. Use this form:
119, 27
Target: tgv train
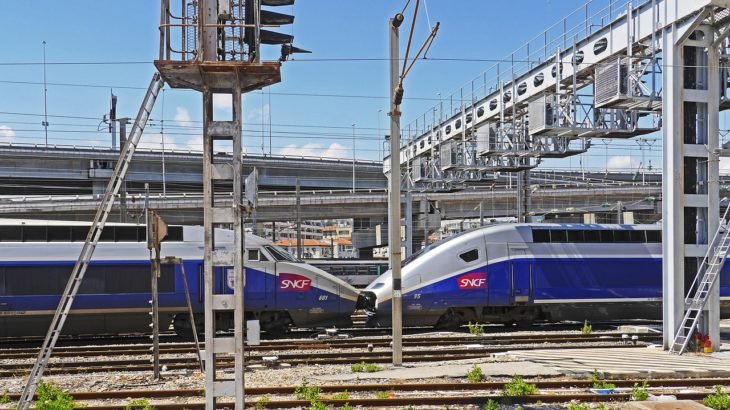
524, 272
36, 259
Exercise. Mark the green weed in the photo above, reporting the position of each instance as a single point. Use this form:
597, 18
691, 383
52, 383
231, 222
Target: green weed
49, 396
718, 400
305, 391
587, 328
262, 402
475, 374
640, 392
518, 387
476, 329
5, 398
491, 405
576, 405
365, 367
383, 394
138, 404
600, 384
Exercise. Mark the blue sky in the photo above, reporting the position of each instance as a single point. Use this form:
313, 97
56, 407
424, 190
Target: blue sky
311, 112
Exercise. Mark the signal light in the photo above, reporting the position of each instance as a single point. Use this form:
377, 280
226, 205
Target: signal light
270, 18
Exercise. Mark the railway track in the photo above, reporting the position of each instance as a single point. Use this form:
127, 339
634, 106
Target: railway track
170, 337
430, 341
558, 391
322, 358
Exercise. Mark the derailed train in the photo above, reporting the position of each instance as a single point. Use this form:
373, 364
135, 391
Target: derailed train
526, 272
36, 259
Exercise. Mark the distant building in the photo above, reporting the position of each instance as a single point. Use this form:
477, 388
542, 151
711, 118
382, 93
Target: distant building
343, 248
286, 230
338, 232
311, 248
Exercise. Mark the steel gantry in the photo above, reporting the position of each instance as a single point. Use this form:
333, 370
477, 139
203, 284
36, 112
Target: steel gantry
611, 69
213, 46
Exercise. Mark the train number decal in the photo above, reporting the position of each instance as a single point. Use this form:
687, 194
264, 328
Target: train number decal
474, 280
294, 282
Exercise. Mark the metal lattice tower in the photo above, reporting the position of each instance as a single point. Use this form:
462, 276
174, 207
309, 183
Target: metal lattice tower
213, 46
612, 69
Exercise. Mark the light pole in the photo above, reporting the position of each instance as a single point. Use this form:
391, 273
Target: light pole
380, 155
353, 158
45, 94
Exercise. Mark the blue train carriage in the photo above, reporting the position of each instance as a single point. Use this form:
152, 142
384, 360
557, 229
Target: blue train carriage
36, 259
526, 272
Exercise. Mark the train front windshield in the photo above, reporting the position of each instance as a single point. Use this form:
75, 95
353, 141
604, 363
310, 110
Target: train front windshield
427, 249
281, 255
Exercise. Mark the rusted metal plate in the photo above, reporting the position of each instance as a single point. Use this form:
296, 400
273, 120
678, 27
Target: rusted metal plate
219, 76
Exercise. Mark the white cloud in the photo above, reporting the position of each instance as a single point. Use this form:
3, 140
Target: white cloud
153, 141
259, 115
182, 116
335, 150
222, 102
622, 163
7, 134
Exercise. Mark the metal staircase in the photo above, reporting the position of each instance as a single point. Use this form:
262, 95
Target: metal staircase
699, 292
79, 269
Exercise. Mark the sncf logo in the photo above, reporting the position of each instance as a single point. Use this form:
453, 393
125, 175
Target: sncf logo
474, 280
293, 282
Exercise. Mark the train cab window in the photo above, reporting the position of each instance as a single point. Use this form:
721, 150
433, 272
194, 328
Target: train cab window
256, 255
470, 256
252, 254
378, 285
653, 236
280, 254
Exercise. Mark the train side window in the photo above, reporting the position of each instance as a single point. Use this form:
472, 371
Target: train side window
606, 236
470, 256
11, 234
558, 235
126, 234
575, 235
637, 236
79, 233
59, 233
621, 236
35, 234
540, 235
654, 236
592, 236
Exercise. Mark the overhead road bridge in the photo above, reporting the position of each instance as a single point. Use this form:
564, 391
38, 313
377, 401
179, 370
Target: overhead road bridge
38, 169
282, 206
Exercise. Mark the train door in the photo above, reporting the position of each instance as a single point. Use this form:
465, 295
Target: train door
520, 274
259, 276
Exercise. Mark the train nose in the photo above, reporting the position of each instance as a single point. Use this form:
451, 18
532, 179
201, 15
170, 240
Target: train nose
364, 309
366, 300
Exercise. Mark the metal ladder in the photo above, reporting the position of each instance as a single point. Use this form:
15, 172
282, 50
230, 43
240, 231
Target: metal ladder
699, 292
79, 269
